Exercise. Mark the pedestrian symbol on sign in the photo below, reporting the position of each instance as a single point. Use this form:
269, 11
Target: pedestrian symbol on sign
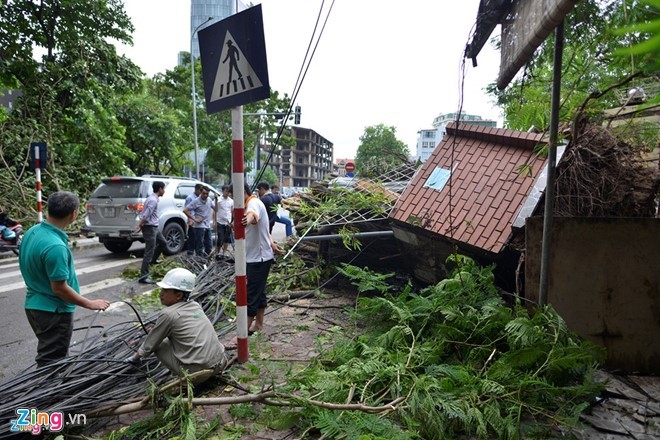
233, 55
233, 61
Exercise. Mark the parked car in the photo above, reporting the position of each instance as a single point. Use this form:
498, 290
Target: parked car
112, 211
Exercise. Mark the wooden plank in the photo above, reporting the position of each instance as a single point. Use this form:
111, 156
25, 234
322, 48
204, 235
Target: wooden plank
649, 384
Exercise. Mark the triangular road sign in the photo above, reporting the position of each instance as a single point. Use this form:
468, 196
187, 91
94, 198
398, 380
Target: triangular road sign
233, 56
235, 74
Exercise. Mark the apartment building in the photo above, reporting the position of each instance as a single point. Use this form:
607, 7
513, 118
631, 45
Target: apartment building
309, 160
428, 139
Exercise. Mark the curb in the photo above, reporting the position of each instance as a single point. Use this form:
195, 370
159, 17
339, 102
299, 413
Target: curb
78, 243
75, 244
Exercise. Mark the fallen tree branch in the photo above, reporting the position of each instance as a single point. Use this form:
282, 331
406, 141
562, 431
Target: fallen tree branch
596, 95
262, 397
298, 294
355, 406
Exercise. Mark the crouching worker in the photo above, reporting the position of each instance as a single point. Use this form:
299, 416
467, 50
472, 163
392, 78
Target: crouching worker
183, 337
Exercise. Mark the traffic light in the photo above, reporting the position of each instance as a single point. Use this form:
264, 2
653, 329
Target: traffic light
296, 117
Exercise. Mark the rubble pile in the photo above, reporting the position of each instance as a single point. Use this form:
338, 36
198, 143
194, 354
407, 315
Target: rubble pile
337, 202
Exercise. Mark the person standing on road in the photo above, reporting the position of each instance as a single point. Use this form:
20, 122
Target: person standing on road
183, 337
259, 256
190, 242
154, 242
53, 292
200, 211
288, 225
225, 216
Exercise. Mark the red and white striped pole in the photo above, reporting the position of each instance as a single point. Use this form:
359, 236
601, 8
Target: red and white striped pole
37, 171
238, 182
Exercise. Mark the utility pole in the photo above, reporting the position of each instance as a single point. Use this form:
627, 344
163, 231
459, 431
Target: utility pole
194, 96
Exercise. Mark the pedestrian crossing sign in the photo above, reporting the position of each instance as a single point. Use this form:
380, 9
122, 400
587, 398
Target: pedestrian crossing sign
233, 57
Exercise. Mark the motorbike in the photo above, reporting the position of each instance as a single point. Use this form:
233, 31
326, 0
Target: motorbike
11, 234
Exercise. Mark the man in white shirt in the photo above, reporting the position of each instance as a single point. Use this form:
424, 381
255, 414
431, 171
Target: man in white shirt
259, 256
224, 217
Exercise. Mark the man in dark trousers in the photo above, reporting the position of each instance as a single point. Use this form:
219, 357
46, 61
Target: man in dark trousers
154, 242
288, 226
190, 243
260, 250
46, 263
200, 212
270, 201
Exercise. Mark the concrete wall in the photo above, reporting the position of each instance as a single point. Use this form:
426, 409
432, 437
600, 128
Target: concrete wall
604, 280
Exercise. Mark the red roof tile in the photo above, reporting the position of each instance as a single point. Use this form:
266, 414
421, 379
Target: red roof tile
487, 191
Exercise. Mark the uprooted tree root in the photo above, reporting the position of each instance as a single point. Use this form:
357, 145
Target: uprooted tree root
602, 176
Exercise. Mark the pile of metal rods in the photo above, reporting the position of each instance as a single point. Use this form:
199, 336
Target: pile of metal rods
96, 374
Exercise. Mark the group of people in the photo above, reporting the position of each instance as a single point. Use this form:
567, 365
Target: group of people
201, 213
200, 210
183, 337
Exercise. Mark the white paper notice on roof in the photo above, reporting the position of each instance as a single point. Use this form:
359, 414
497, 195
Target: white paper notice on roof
438, 179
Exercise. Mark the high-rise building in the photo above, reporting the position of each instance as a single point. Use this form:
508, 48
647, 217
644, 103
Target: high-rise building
428, 139
201, 10
307, 161
441, 121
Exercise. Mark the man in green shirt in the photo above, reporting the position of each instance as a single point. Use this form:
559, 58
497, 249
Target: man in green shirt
46, 263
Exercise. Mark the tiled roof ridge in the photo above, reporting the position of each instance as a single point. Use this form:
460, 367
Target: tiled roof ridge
493, 134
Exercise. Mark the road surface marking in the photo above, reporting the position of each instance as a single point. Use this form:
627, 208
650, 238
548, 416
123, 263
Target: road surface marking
86, 270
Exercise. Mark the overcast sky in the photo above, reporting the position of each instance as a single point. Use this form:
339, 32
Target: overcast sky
378, 61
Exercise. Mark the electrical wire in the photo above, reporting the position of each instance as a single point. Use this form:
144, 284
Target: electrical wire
302, 74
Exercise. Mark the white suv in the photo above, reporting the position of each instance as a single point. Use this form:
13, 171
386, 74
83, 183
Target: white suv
112, 211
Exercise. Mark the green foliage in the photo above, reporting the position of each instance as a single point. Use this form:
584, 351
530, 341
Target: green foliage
347, 234
154, 135
270, 177
280, 419
465, 363
293, 274
590, 62
243, 411
364, 279
344, 202
67, 95
354, 426
93, 108
644, 25
177, 419
379, 151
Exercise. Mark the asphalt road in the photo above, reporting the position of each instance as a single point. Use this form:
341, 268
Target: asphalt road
99, 274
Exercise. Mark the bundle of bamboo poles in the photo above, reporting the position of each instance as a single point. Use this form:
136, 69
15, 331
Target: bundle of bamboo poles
97, 375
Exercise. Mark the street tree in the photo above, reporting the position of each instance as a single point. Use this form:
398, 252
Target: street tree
590, 64
59, 55
379, 151
154, 134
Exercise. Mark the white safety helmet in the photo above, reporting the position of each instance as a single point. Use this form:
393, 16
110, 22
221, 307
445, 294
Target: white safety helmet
179, 279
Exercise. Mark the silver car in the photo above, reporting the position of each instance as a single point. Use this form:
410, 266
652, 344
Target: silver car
112, 211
